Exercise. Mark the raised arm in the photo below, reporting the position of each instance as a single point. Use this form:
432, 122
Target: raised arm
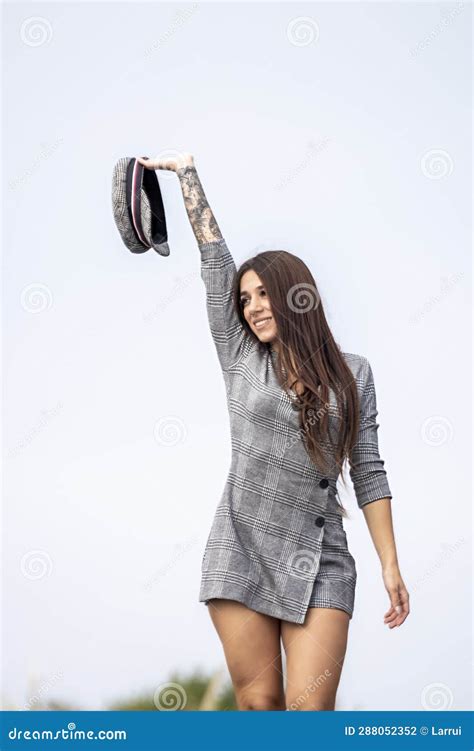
217, 265
200, 214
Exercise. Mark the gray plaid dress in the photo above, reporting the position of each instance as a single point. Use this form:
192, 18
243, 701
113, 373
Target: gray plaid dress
277, 542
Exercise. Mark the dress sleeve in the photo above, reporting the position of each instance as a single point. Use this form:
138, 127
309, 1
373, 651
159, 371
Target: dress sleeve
368, 474
217, 272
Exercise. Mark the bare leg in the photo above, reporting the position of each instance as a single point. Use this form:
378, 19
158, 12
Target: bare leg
315, 652
251, 643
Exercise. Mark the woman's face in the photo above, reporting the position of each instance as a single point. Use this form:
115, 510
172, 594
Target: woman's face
256, 306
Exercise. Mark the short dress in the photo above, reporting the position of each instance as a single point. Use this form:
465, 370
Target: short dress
277, 542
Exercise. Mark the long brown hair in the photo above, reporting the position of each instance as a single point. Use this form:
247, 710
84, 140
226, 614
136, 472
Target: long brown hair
308, 350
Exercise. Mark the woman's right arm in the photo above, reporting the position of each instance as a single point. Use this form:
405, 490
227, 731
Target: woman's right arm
200, 214
217, 265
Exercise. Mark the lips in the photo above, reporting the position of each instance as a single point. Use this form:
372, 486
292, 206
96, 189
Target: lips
261, 322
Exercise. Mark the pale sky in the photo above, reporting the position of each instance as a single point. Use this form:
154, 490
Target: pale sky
105, 523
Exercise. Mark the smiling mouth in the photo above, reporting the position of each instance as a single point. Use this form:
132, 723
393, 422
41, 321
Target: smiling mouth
263, 322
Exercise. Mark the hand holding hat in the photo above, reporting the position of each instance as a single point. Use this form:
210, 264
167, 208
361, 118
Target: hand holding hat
174, 163
137, 203
137, 206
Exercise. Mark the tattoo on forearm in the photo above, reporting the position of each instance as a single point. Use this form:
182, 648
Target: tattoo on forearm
200, 214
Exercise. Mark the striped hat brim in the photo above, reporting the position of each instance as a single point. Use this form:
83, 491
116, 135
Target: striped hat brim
138, 207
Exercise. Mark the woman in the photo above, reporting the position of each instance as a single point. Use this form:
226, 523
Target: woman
276, 564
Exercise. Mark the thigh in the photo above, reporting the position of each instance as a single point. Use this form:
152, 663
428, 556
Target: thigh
315, 652
251, 643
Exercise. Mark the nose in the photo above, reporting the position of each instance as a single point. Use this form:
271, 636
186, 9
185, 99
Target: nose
255, 307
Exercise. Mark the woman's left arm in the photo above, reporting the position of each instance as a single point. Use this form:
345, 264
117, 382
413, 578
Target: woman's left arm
374, 498
378, 515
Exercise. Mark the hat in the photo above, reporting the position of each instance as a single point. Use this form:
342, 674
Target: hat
138, 207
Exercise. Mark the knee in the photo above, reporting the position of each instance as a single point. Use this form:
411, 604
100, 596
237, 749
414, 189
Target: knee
259, 701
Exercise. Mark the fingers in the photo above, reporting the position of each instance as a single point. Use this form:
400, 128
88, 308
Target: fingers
397, 618
166, 164
399, 610
391, 619
145, 162
173, 163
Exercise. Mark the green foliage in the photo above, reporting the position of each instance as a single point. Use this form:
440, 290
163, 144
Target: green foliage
178, 693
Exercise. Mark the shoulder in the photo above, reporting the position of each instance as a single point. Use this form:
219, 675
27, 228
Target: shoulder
358, 364
360, 368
